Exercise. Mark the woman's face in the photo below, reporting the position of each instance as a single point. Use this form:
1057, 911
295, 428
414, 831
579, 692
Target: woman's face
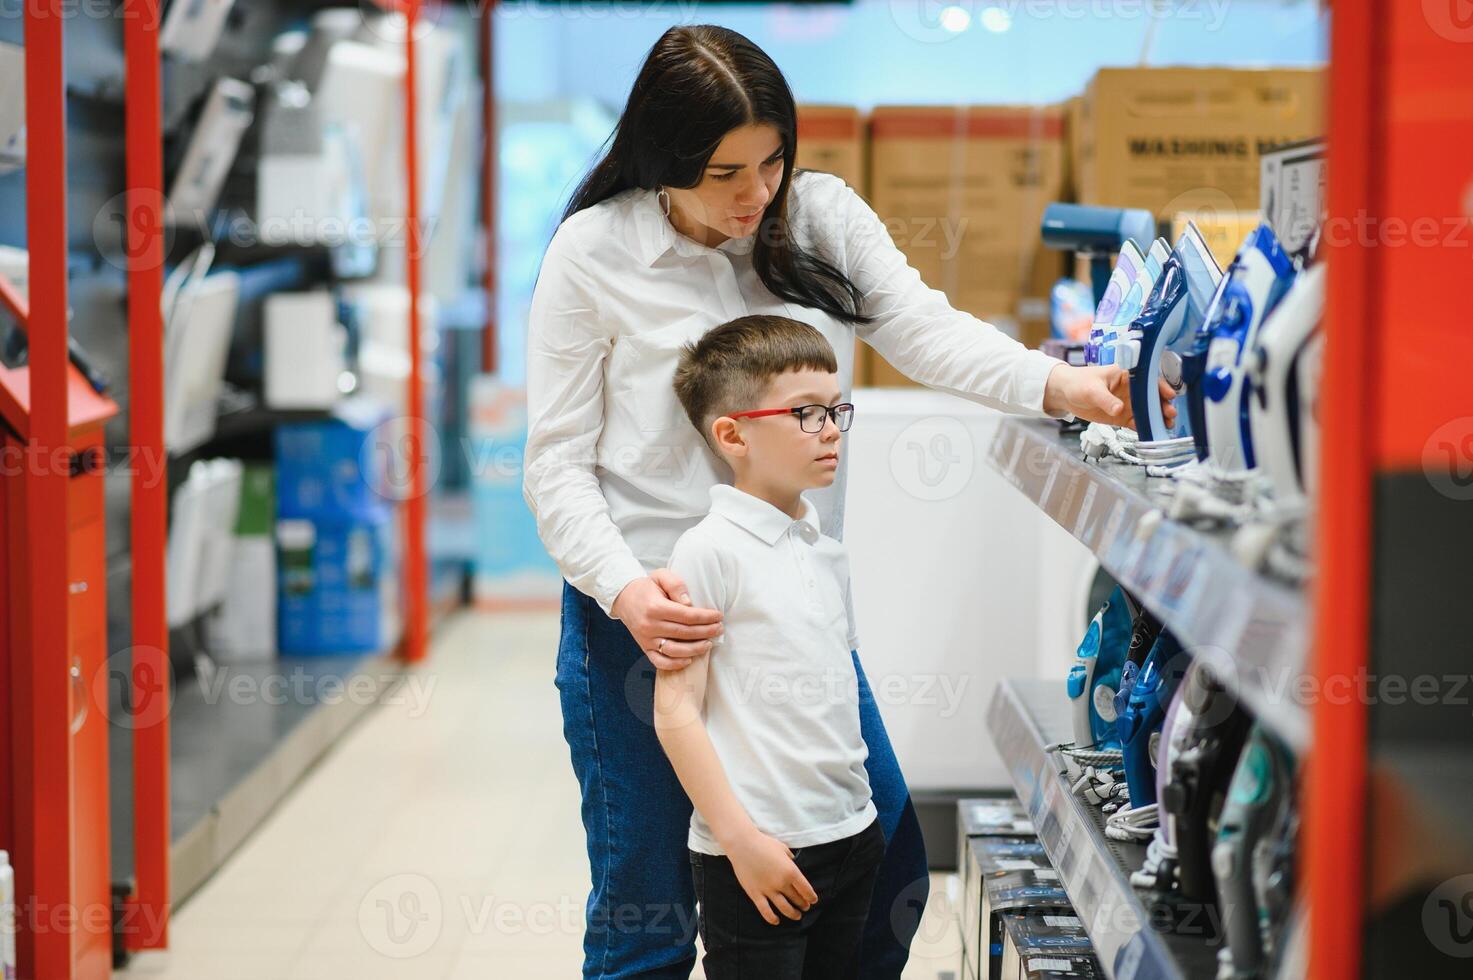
740, 181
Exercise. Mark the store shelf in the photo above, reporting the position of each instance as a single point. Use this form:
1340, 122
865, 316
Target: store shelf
234, 757
1025, 717
1251, 630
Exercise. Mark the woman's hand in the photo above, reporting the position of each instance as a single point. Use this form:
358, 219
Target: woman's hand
765, 869
657, 607
1098, 393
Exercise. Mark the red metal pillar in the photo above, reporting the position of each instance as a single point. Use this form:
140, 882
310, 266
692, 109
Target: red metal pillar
1335, 779
43, 693
416, 586
147, 922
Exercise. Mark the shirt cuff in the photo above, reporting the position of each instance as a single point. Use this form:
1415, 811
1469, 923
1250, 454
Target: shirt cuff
1035, 379
612, 580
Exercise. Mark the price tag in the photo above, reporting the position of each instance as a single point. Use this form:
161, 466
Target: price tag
1082, 521
1017, 866
1047, 874
1038, 964
1048, 486
1111, 529
1012, 468
1063, 922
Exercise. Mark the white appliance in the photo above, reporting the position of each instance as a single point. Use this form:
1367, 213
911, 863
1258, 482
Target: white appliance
12, 107
201, 536
226, 116
198, 324
382, 311
192, 28
305, 350
958, 580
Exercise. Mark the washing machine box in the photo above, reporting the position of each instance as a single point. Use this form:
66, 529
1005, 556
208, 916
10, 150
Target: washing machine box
1174, 140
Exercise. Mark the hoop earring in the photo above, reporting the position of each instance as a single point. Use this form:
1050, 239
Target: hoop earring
663, 197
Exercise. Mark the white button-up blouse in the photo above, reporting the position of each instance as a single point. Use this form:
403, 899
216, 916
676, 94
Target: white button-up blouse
614, 471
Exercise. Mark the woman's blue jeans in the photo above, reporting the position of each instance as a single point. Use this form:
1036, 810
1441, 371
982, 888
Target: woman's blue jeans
641, 912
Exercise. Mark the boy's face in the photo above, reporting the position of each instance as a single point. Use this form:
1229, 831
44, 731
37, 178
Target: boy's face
776, 448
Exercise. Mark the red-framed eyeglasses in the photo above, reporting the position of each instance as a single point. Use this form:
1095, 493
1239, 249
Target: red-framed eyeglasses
810, 417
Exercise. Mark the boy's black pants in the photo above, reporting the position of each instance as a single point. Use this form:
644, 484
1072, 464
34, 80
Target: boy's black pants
824, 943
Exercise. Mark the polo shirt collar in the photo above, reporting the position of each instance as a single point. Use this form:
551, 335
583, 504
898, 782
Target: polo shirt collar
653, 235
761, 518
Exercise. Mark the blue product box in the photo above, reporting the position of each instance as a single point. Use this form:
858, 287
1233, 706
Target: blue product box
336, 468
336, 585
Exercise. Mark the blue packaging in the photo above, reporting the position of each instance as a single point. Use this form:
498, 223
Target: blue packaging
337, 585
336, 468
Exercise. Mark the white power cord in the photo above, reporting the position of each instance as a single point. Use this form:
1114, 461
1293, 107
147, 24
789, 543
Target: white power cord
1134, 824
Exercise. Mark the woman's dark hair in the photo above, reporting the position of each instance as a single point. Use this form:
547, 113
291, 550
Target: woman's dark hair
699, 83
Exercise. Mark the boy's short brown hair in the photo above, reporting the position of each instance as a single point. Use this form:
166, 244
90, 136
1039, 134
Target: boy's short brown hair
730, 367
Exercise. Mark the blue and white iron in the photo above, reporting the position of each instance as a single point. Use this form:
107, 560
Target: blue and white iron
1095, 676
1165, 331
1143, 712
1283, 375
1135, 298
1258, 278
1124, 276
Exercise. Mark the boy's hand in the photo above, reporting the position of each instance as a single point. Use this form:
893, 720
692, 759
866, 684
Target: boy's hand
764, 866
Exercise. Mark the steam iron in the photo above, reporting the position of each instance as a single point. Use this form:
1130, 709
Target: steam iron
1146, 274
1126, 269
1283, 375
1095, 676
1258, 278
1159, 869
1166, 330
1197, 787
1244, 859
1142, 713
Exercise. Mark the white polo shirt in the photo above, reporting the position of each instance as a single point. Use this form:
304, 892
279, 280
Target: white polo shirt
782, 704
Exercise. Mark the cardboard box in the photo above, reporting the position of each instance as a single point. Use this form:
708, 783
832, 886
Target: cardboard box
1222, 231
1007, 893
992, 834
962, 190
1050, 936
1189, 139
832, 138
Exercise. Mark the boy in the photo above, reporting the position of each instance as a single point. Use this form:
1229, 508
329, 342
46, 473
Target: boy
764, 733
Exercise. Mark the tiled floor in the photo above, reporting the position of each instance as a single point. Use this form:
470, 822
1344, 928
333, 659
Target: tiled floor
440, 839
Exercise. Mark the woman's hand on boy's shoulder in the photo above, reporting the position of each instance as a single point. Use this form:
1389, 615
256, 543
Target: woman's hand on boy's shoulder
658, 608
766, 870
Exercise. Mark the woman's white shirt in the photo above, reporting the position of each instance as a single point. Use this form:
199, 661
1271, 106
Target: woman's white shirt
614, 470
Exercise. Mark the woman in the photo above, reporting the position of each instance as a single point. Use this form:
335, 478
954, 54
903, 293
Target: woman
694, 217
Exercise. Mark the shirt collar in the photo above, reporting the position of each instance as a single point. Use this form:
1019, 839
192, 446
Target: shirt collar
761, 518
653, 234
